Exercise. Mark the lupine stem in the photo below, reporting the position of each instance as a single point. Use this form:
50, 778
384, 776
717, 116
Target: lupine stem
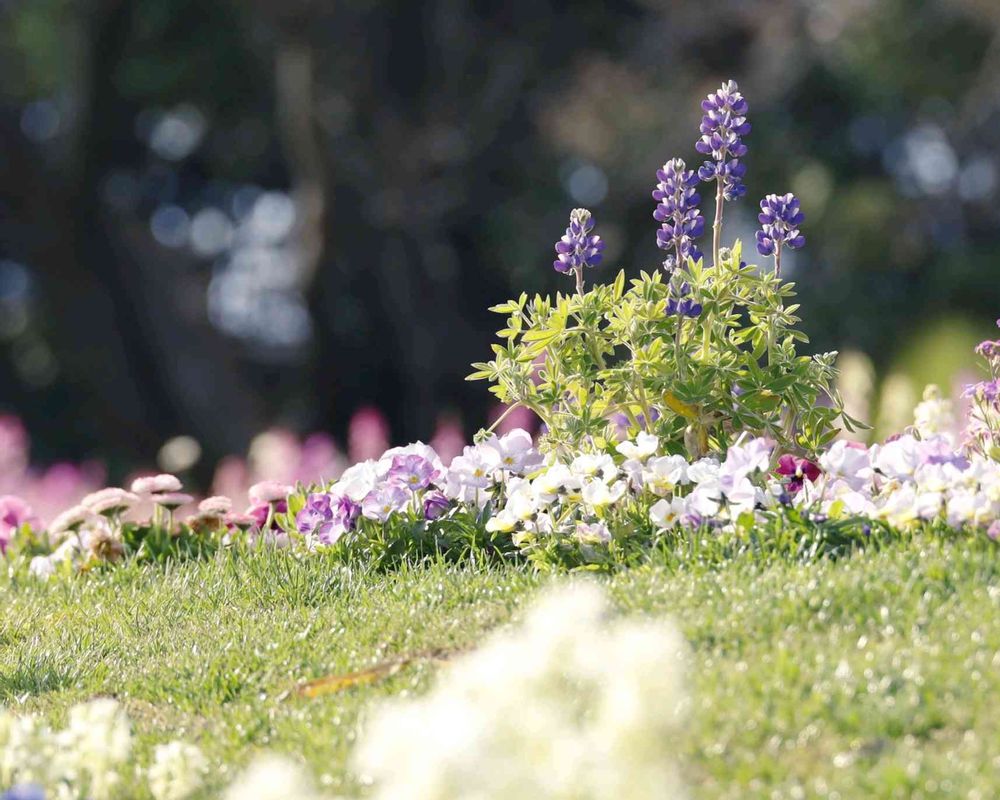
503, 416
777, 259
716, 247
579, 280
717, 224
677, 342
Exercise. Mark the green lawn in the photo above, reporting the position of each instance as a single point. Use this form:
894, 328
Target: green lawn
876, 675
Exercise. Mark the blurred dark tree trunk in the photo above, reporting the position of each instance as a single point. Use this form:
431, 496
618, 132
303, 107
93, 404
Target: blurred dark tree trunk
136, 350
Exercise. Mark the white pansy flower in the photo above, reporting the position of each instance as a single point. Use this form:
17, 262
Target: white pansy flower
663, 474
645, 445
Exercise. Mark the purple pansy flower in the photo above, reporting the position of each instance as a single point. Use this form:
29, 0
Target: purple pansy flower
385, 500
327, 517
677, 208
314, 514
412, 471
435, 505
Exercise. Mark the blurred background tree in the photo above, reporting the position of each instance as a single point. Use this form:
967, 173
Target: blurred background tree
217, 215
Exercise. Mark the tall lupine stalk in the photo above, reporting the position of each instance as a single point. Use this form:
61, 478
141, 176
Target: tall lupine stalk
578, 248
723, 127
677, 208
780, 218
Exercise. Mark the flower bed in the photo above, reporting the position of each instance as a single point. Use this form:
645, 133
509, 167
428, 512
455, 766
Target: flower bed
672, 409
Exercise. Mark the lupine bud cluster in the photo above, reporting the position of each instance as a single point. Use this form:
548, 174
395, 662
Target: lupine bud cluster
780, 218
681, 302
677, 208
578, 248
723, 127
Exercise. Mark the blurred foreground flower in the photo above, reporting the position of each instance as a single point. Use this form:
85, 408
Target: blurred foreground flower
596, 713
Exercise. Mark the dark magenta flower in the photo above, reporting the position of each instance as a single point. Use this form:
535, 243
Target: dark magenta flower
723, 126
797, 470
260, 512
780, 218
435, 505
677, 208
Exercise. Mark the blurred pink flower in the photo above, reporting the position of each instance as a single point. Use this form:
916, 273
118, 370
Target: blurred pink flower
171, 500
268, 492
367, 434
215, 505
520, 418
156, 484
449, 438
14, 513
14, 446
320, 460
232, 477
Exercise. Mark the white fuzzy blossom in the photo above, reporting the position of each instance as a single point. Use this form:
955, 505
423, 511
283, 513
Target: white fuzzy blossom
178, 771
570, 705
934, 414
86, 759
273, 777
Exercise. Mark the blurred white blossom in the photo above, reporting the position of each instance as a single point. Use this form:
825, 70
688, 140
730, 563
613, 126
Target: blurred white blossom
570, 704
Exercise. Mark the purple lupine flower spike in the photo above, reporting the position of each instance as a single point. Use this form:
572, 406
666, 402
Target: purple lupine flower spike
723, 127
780, 218
677, 208
578, 248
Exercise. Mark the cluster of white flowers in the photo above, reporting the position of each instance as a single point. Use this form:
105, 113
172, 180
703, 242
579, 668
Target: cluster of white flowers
272, 777
906, 481
91, 757
84, 760
909, 479
570, 704
178, 771
577, 498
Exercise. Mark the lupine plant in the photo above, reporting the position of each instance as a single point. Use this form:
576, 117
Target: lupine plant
694, 352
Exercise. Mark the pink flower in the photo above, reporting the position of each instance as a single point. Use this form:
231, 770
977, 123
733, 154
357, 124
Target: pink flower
69, 520
215, 506
367, 434
268, 492
171, 500
14, 513
109, 501
241, 521
156, 484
